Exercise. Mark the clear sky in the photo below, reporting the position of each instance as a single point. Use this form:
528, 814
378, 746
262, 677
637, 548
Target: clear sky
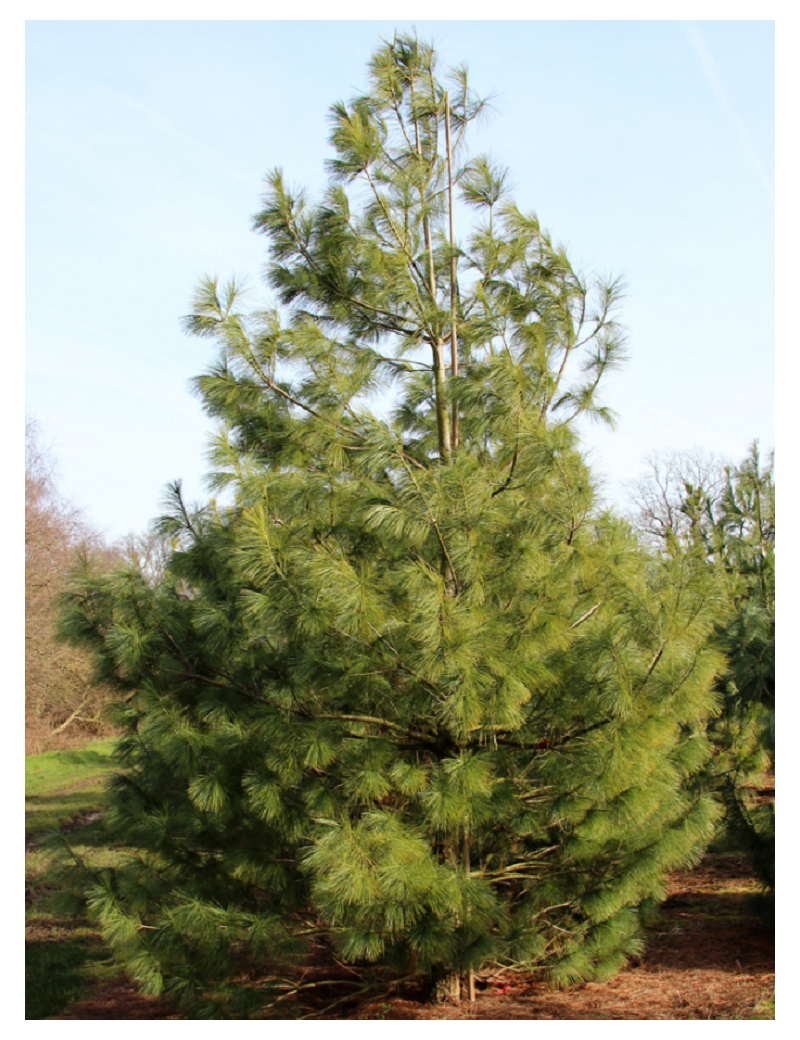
647, 148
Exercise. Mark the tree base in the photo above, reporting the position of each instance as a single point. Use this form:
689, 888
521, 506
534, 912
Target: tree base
442, 987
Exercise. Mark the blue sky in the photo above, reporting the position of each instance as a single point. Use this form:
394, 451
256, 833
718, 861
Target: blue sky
647, 148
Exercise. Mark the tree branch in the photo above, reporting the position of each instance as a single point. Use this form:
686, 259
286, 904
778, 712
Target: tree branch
585, 617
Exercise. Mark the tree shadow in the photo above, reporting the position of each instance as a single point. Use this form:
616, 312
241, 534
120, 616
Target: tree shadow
54, 973
703, 931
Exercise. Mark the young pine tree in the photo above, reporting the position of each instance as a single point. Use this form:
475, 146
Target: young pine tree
742, 542
412, 694
729, 513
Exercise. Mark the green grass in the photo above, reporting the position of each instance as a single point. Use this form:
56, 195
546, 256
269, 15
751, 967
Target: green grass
58, 966
60, 785
62, 956
764, 1010
54, 770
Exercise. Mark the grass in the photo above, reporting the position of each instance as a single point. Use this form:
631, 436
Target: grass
51, 770
61, 785
59, 964
61, 956
764, 1011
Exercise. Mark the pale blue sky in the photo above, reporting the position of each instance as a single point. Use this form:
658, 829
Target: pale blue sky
646, 147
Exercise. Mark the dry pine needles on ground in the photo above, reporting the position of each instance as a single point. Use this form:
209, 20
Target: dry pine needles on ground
707, 958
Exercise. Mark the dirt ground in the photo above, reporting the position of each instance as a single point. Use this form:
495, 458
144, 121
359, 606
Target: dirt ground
707, 959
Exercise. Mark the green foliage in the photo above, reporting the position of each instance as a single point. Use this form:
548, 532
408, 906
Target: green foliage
730, 516
418, 696
743, 543
744, 540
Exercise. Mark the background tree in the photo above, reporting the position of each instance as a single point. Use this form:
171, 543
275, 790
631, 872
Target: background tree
730, 512
744, 540
415, 698
62, 706
659, 499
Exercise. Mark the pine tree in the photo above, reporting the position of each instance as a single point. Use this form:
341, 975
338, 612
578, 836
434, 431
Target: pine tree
414, 693
728, 512
742, 541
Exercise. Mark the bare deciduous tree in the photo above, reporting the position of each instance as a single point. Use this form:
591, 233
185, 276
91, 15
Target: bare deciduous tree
62, 707
679, 490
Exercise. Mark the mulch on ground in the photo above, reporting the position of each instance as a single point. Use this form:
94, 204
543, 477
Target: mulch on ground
707, 959
118, 998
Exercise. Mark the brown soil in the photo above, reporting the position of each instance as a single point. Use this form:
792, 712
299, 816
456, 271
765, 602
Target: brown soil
118, 998
706, 959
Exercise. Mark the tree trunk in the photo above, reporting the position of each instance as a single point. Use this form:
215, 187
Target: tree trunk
437, 346
453, 270
470, 973
442, 986
440, 387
